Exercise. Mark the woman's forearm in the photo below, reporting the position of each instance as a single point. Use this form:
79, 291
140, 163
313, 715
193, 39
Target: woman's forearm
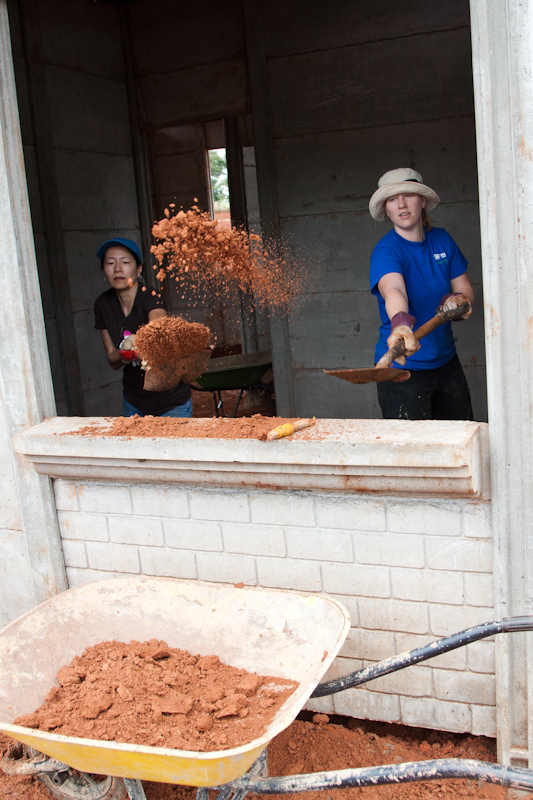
115, 360
395, 301
112, 353
462, 285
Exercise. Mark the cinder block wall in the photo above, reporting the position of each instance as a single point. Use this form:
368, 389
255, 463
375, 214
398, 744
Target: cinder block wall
409, 571
87, 100
355, 89
358, 89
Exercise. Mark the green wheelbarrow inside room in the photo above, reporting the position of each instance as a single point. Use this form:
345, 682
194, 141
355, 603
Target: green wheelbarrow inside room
236, 373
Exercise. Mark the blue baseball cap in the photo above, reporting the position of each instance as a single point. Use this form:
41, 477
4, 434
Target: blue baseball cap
129, 243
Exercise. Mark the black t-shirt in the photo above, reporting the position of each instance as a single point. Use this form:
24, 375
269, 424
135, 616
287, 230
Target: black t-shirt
108, 315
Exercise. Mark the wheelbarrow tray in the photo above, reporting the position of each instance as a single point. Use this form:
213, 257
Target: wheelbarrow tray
235, 372
272, 632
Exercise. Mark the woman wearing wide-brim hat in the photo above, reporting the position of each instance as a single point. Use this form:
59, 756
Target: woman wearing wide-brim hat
414, 269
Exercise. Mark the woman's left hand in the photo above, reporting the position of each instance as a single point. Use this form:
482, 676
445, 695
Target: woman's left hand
456, 300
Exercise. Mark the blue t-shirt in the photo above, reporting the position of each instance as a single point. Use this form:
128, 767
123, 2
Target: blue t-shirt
427, 268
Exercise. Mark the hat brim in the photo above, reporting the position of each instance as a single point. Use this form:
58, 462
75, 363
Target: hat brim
380, 196
102, 250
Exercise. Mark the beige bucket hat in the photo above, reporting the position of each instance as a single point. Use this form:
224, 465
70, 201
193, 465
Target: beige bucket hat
400, 181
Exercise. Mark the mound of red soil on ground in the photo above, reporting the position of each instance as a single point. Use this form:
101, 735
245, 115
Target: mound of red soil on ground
341, 743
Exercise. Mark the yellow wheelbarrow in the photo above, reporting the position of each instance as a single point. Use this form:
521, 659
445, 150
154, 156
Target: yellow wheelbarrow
280, 633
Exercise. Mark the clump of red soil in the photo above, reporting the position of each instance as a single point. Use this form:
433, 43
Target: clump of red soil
167, 338
207, 256
149, 693
255, 427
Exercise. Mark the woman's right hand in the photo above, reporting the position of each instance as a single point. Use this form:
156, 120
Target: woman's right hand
405, 334
127, 348
128, 343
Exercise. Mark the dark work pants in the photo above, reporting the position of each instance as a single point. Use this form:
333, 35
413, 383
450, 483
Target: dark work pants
440, 393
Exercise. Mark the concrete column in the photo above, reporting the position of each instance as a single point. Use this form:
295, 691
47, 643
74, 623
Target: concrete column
268, 193
502, 40
26, 390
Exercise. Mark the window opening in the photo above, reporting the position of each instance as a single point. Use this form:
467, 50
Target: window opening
218, 170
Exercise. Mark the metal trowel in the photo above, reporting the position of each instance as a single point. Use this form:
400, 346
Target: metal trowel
383, 370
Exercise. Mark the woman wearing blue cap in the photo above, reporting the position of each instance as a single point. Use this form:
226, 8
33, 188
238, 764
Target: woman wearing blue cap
414, 269
119, 313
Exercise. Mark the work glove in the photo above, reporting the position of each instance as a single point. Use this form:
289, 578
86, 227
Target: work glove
451, 301
126, 348
402, 325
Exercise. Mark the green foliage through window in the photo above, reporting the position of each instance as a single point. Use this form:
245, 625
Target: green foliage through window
219, 179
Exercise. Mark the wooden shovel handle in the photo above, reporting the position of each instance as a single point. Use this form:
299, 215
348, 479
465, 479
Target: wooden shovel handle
439, 319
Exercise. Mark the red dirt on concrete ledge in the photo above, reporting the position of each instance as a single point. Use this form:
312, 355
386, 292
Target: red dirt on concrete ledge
152, 694
255, 427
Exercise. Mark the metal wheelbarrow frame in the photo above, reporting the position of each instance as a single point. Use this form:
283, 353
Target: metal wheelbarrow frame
253, 782
233, 373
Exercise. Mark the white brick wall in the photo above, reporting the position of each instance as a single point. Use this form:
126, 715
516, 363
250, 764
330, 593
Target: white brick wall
409, 571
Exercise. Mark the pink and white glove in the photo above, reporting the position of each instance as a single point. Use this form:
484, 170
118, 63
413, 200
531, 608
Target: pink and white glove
126, 348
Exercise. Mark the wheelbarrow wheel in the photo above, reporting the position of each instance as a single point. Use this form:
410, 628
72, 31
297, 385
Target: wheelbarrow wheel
73, 785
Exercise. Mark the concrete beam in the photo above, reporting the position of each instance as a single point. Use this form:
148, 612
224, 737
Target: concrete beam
51, 206
502, 40
431, 458
258, 80
239, 219
140, 156
25, 379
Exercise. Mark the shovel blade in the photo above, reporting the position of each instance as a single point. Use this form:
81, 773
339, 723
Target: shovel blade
372, 375
186, 369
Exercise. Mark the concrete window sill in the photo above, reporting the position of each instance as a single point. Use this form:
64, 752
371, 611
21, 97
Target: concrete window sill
432, 458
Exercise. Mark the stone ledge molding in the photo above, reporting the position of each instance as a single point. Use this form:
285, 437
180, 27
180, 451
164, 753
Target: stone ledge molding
396, 457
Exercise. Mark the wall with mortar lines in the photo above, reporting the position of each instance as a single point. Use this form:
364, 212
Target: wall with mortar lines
341, 115
355, 89
409, 571
351, 98
94, 165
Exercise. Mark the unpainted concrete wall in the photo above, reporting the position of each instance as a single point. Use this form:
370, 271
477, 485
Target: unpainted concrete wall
94, 166
15, 573
356, 89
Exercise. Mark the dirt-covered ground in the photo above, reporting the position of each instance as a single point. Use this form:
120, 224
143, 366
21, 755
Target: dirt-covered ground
311, 746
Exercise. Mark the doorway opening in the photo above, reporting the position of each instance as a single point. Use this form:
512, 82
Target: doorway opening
218, 174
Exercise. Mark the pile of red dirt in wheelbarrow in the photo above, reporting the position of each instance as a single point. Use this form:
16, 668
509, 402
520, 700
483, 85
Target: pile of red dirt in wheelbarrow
152, 694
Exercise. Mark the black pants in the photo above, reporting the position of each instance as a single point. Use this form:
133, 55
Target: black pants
440, 393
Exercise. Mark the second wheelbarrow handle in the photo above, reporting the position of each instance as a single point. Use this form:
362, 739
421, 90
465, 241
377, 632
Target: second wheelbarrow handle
407, 659
407, 772
439, 319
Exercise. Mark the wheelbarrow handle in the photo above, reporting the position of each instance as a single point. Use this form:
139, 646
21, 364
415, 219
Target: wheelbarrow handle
408, 772
427, 651
439, 319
